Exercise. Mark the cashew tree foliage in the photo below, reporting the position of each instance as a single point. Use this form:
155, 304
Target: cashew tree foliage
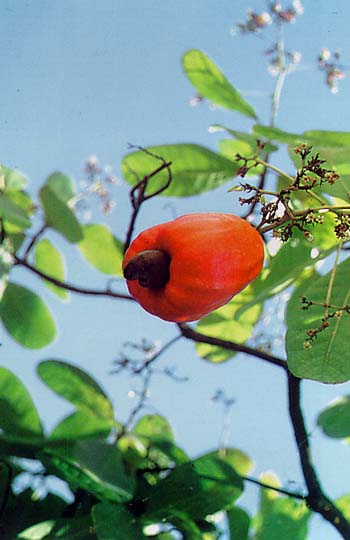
132, 480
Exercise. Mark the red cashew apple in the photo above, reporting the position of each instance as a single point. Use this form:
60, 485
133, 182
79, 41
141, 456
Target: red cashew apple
183, 269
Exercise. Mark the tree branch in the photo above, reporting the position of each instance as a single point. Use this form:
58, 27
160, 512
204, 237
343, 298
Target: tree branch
316, 499
189, 333
70, 286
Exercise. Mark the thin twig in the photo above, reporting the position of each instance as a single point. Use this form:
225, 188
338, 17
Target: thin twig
316, 499
155, 356
192, 334
274, 488
34, 239
69, 286
137, 193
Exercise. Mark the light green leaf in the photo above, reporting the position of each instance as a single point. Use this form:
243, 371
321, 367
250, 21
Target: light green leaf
343, 503
245, 137
239, 523
13, 213
78, 387
285, 518
225, 322
26, 317
6, 262
18, 414
241, 463
50, 261
328, 358
154, 427
334, 420
275, 134
101, 249
194, 169
229, 148
115, 523
212, 84
328, 138
54, 196
14, 180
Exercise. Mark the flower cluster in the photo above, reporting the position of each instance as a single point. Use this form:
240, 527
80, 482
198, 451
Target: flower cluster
330, 312
97, 183
255, 21
328, 62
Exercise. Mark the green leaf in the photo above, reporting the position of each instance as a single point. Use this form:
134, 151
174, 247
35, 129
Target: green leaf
328, 138
244, 137
81, 424
18, 414
26, 317
335, 418
76, 386
194, 169
154, 428
343, 503
54, 196
198, 488
225, 322
286, 518
101, 249
78, 528
212, 84
14, 180
96, 467
13, 213
328, 358
6, 262
239, 523
237, 459
115, 523
275, 134
229, 148
50, 261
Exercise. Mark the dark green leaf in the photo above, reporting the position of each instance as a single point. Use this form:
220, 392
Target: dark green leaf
198, 488
26, 317
18, 415
239, 523
335, 419
50, 261
79, 388
115, 523
54, 196
328, 358
194, 168
13, 213
96, 467
24, 509
212, 84
60, 529
103, 250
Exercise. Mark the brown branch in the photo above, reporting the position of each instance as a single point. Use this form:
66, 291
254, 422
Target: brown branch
34, 240
137, 193
316, 499
192, 334
70, 286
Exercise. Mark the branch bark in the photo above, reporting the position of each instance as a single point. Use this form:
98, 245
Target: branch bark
316, 498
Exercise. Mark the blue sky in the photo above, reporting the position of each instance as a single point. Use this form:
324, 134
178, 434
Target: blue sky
82, 78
